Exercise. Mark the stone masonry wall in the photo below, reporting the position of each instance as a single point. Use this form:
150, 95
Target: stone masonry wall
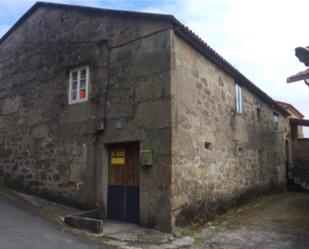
219, 157
139, 109
57, 150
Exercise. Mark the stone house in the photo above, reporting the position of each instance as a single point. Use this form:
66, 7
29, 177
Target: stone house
135, 114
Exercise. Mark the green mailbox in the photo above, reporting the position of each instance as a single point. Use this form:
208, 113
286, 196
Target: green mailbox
146, 157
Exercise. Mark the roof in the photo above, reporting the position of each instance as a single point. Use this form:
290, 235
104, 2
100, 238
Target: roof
287, 106
302, 53
303, 75
302, 122
180, 30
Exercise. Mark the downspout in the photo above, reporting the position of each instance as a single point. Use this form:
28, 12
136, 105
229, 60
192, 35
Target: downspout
101, 126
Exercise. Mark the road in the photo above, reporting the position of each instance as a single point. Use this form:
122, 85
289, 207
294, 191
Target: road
24, 228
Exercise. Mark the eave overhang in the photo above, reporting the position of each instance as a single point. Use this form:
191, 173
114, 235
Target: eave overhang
301, 122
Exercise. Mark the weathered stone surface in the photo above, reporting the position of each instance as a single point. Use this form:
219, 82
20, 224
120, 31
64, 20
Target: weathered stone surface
54, 149
219, 157
146, 85
40, 132
153, 114
11, 105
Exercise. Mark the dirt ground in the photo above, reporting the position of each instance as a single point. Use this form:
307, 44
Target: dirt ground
273, 222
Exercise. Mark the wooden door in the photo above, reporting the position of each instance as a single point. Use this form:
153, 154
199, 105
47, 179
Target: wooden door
123, 183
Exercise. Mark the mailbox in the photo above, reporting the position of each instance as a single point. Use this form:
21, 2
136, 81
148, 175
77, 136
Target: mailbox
146, 157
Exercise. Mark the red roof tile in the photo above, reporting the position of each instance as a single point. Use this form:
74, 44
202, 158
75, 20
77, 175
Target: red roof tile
287, 105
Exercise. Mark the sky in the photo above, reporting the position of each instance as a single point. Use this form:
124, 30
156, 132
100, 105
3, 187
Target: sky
258, 37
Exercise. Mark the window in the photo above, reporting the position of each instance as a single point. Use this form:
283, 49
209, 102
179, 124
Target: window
79, 80
258, 113
238, 92
276, 122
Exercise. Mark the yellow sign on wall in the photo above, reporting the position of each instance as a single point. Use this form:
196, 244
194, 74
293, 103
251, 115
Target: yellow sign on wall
118, 157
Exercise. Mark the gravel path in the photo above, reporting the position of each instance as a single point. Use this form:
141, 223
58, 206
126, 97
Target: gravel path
274, 222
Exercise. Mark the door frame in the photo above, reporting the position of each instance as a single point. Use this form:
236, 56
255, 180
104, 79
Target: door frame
105, 178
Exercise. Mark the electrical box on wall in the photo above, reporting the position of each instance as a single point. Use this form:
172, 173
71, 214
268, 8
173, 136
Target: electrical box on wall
146, 157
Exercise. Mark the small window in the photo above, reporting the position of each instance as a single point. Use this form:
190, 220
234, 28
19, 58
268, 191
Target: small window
79, 81
258, 113
276, 122
238, 92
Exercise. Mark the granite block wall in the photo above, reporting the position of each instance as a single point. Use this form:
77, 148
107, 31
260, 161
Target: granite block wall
219, 156
59, 151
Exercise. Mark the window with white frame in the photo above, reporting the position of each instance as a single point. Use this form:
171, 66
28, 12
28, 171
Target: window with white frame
79, 82
276, 124
238, 92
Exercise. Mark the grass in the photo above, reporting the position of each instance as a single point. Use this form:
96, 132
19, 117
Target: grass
194, 233
188, 231
199, 240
